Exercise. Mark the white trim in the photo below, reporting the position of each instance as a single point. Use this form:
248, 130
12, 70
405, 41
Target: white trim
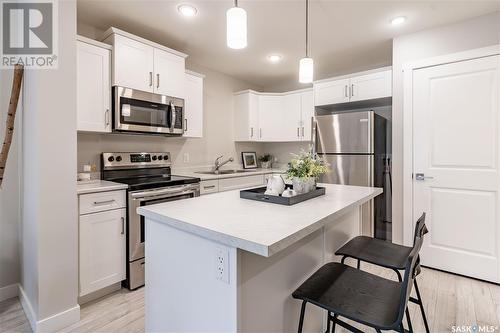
348, 76
408, 69
9, 291
59, 320
113, 30
190, 72
93, 42
28, 309
273, 93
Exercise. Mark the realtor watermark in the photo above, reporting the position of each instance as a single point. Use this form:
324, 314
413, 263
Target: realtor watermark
28, 33
474, 328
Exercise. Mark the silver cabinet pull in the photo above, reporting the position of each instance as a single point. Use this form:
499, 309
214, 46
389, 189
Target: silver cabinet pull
185, 124
150, 79
298, 132
251, 132
260, 132
208, 187
107, 117
157, 80
345, 91
421, 176
302, 131
96, 203
123, 226
352, 90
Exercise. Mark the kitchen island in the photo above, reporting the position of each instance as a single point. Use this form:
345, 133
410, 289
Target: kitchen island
218, 263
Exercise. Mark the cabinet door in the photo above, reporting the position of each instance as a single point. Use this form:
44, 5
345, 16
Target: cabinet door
133, 64
235, 183
170, 74
331, 92
246, 117
371, 86
193, 106
290, 125
93, 95
102, 250
209, 186
307, 112
271, 118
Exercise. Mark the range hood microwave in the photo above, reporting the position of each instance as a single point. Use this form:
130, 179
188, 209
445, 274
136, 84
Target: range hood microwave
137, 111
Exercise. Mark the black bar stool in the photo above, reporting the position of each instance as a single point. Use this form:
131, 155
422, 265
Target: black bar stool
360, 296
386, 254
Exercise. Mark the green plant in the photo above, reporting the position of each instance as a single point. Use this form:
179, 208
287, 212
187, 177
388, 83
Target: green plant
306, 165
265, 158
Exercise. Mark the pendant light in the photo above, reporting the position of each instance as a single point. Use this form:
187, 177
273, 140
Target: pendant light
306, 65
236, 19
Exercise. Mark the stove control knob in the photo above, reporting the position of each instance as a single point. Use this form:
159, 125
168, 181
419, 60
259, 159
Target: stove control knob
118, 158
165, 157
111, 159
160, 158
154, 157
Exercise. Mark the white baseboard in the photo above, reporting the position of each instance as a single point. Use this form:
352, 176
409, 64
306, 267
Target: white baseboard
9, 291
50, 324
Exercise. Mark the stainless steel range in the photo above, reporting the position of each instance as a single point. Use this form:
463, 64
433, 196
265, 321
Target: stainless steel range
149, 180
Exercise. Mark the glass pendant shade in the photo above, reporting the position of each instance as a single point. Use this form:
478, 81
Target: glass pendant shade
306, 69
236, 28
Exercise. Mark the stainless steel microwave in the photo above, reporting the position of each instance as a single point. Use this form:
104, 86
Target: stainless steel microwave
143, 112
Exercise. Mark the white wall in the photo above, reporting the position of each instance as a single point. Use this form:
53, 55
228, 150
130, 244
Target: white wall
49, 204
9, 192
475, 33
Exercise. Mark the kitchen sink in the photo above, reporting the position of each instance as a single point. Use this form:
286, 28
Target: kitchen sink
223, 172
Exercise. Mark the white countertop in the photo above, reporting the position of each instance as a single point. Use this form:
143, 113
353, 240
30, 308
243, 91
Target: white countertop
258, 227
93, 186
203, 176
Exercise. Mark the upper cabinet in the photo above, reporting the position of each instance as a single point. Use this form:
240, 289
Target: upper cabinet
271, 117
193, 105
353, 88
93, 98
144, 65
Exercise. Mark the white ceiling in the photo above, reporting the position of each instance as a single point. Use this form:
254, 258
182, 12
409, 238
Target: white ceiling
345, 36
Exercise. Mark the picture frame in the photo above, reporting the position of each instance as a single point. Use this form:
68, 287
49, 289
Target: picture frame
249, 159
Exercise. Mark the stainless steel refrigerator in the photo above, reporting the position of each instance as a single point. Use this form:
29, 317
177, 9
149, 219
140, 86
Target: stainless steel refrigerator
355, 146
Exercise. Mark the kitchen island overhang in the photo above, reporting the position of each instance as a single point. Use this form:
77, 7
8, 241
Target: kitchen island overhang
225, 264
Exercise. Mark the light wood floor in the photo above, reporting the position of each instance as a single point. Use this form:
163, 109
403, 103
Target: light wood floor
449, 300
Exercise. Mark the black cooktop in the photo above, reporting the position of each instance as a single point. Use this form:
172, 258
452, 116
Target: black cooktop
143, 183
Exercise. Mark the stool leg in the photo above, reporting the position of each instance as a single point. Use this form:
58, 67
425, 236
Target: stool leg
401, 328
410, 327
334, 322
422, 310
378, 331
302, 312
343, 259
359, 264
327, 322
399, 275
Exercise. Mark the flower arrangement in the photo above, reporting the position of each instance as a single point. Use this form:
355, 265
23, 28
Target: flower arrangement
306, 165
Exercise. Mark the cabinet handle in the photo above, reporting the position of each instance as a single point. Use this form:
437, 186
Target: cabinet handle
208, 187
103, 202
298, 133
352, 90
157, 80
123, 226
260, 132
302, 131
345, 91
150, 79
251, 132
185, 124
107, 117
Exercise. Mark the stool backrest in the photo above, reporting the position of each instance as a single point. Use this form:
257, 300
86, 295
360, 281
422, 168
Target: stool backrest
412, 267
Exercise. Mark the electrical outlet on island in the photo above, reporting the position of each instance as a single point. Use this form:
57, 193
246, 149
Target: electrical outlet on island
222, 264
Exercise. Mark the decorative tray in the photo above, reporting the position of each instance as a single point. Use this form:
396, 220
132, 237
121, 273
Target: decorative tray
258, 195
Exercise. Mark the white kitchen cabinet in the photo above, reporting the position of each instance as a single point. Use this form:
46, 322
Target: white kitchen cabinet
93, 97
102, 252
331, 92
306, 114
132, 64
209, 186
370, 86
193, 105
291, 121
228, 184
246, 116
271, 118
356, 87
169, 72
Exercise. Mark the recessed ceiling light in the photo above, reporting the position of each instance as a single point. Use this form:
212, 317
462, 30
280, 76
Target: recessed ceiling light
187, 10
274, 58
398, 20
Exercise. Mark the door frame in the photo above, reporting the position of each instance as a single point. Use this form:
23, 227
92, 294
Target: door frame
408, 153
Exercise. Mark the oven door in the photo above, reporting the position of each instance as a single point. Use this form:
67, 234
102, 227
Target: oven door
139, 111
136, 199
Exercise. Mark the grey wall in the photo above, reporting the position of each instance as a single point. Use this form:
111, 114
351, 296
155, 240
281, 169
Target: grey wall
475, 33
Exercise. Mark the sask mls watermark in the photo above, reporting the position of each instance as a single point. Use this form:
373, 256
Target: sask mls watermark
29, 33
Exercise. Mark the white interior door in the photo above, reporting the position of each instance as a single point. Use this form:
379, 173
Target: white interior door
456, 147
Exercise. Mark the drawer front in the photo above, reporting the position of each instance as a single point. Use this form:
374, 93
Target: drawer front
235, 183
209, 186
102, 201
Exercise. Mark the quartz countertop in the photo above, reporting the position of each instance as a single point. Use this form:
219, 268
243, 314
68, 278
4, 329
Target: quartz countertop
93, 186
203, 176
258, 227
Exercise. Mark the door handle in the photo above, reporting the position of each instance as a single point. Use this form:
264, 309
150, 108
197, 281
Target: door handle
251, 132
157, 80
185, 124
150, 79
352, 90
345, 91
302, 131
421, 176
123, 226
298, 132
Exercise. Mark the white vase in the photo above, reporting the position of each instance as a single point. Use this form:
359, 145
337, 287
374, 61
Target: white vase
304, 185
265, 165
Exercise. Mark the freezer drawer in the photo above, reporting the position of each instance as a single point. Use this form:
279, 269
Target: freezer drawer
345, 133
348, 170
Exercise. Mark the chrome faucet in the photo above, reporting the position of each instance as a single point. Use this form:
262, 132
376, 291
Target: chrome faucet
218, 164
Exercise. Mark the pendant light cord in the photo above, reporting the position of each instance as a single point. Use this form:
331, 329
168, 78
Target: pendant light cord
307, 28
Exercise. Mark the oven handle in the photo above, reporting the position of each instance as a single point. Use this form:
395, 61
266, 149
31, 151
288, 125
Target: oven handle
164, 193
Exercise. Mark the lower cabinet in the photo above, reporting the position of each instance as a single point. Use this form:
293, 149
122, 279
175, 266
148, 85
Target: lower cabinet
102, 239
209, 186
233, 183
